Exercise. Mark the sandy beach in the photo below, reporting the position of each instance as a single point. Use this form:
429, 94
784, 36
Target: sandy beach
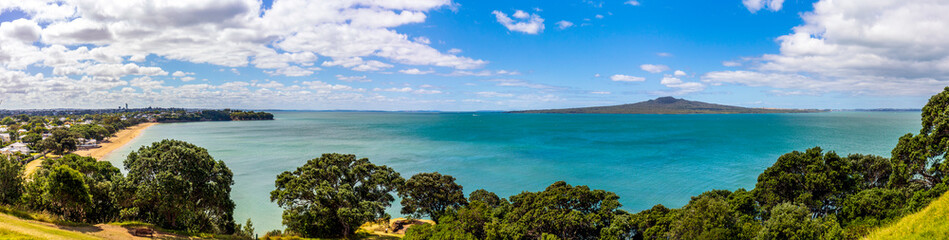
120, 139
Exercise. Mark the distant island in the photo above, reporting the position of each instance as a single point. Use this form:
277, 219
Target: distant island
670, 105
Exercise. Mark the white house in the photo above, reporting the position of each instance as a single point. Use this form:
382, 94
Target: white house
15, 148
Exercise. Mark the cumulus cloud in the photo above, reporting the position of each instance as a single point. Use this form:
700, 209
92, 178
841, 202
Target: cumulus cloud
632, 3
564, 24
679, 73
626, 78
93, 42
654, 68
344, 78
681, 86
888, 47
416, 71
756, 5
529, 23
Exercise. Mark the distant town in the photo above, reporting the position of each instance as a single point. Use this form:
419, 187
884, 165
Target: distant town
31, 134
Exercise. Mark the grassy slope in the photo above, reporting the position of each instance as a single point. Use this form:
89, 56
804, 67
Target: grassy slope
14, 228
930, 223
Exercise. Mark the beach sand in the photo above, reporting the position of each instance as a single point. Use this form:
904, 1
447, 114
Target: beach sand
120, 139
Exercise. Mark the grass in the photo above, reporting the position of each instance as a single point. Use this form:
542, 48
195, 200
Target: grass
11, 235
930, 223
14, 228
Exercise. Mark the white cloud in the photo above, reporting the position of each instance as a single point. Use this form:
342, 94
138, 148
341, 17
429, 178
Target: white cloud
683, 87
654, 68
857, 47
483, 73
416, 71
408, 90
422, 40
187, 79
520, 83
598, 16
679, 73
454, 51
755, 5
664, 54
527, 23
564, 24
352, 78
632, 3
494, 94
731, 64
626, 78
292, 71
601, 92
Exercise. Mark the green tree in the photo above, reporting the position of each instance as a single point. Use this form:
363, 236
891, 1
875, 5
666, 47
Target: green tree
68, 193
486, 197
102, 179
653, 223
7, 121
790, 221
331, 196
431, 194
812, 178
178, 185
564, 211
60, 141
11, 180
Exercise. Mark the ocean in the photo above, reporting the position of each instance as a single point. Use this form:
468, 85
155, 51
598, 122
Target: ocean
645, 159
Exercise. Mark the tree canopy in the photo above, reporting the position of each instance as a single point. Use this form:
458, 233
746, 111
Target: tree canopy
11, 180
431, 194
178, 185
331, 196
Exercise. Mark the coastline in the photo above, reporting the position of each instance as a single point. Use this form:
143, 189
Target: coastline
120, 139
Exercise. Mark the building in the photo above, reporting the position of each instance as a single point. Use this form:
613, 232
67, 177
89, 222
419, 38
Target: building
15, 148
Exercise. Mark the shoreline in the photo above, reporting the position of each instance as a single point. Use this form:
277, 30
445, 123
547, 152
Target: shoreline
120, 139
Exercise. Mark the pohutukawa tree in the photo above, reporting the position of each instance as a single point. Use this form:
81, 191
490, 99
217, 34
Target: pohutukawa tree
431, 194
331, 196
178, 185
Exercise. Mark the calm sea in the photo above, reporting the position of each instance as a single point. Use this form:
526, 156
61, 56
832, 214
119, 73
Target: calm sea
645, 159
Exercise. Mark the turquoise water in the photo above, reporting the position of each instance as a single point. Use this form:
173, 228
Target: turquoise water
645, 159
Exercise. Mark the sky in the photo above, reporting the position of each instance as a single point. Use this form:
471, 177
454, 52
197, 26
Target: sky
469, 55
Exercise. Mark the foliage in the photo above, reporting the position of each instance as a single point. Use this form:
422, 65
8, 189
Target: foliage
790, 221
431, 194
331, 196
11, 180
91, 131
67, 193
60, 141
564, 211
486, 197
928, 223
813, 179
179, 186
245, 231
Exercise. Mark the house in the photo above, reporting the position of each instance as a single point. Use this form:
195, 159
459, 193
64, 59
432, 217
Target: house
15, 148
87, 144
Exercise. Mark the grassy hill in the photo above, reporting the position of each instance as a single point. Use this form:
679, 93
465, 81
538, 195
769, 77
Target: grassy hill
930, 223
669, 105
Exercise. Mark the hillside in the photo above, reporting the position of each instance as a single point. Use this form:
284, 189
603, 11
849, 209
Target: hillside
669, 105
930, 223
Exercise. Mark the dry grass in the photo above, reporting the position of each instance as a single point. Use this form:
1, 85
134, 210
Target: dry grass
930, 223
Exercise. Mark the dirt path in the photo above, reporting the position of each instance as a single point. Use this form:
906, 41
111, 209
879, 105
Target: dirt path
44, 230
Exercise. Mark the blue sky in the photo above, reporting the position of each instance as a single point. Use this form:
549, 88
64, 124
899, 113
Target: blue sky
470, 55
